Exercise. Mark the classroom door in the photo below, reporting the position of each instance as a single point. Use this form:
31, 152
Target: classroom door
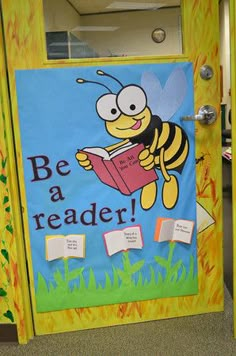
197, 67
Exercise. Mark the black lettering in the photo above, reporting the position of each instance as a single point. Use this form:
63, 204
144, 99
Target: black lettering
56, 193
60, 165
51, 218
119, 213
91, 215
37, 218
43, 167
71, 217
103, 212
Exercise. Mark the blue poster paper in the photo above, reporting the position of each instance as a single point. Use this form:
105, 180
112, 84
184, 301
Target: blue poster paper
109, 170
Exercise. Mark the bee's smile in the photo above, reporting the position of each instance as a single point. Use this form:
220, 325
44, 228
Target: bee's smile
136, 126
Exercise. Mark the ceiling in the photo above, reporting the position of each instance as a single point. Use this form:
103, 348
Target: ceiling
100, 6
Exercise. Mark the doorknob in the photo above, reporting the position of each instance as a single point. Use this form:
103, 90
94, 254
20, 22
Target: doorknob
206, 115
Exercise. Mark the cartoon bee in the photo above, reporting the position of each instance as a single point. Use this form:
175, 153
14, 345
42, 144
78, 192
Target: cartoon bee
129, 117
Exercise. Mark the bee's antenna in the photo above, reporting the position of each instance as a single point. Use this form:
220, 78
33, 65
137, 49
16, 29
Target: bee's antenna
100, 72
83, 81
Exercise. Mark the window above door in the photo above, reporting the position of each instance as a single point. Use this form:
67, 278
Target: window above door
107, 28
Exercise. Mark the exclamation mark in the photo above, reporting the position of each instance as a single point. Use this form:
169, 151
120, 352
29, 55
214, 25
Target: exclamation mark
133, 204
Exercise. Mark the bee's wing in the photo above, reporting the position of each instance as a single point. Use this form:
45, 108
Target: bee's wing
153, 89
164, 102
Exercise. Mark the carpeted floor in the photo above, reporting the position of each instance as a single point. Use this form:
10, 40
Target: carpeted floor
208, 334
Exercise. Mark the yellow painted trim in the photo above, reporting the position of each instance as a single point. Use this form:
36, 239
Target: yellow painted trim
20, 291
117, 60
6, 301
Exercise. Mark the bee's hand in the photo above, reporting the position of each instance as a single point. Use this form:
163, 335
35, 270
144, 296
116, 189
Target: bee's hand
146, 159
83, 161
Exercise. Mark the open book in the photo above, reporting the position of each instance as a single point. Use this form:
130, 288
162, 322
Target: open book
60, 246
122, 240
120, 168
174, 230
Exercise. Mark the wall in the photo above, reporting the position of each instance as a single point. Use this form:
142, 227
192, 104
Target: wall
134, 32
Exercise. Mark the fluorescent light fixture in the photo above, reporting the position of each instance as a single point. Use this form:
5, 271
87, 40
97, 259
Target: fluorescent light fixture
95, 28
62, 44
124, 5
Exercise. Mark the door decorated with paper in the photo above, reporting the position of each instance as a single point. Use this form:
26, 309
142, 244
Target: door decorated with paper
122, 210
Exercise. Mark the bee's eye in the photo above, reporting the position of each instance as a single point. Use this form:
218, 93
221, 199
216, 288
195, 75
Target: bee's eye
131, 100
107, 108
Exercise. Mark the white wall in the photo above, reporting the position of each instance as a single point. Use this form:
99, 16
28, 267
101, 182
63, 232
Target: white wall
134, 34
59, 15
225, 53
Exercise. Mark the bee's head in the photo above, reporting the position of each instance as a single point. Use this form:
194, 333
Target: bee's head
126, 113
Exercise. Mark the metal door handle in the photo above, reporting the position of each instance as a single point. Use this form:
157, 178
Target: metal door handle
206, 115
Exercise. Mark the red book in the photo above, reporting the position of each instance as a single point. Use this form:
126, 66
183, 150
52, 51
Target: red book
120, 168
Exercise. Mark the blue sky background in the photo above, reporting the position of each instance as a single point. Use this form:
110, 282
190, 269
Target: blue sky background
58, 116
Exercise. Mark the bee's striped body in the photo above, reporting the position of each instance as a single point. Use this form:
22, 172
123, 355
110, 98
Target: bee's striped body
172, 138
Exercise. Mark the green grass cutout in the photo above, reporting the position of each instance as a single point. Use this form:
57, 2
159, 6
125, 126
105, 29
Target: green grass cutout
121, 287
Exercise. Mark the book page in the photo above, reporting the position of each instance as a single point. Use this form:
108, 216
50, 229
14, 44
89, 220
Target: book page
114, 241
54, 247
98, 151
166, 230
121, 149
74, 246
133, 237
183, 230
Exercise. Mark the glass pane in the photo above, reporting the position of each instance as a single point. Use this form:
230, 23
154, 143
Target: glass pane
106, 28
